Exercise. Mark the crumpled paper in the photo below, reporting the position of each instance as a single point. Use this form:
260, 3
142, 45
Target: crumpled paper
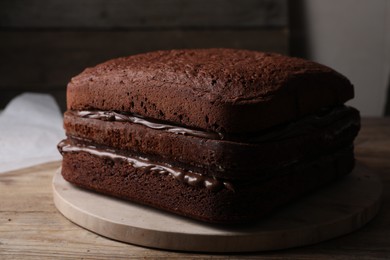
30, 129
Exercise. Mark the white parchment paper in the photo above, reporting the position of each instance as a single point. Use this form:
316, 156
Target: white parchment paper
30, 128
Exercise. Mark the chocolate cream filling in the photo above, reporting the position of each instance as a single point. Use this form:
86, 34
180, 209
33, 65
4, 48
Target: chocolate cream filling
186, 176
302, 126
151, 123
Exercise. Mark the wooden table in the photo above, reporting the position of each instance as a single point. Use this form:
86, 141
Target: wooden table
32, 228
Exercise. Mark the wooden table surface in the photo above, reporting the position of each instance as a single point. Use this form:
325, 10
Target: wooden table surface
32, 228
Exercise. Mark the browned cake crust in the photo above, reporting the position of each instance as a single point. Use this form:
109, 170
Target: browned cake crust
222, 90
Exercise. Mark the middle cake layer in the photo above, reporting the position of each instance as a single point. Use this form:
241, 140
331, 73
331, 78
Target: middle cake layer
228, 157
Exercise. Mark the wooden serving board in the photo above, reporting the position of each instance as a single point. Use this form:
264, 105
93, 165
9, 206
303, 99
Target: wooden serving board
333, 211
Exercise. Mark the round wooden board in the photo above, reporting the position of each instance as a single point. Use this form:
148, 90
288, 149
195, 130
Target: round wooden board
333, 211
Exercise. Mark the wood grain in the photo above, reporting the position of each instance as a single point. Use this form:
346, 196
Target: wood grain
47, 59
136, 14
32, 228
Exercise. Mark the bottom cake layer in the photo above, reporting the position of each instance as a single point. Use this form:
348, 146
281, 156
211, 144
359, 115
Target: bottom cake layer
237, 202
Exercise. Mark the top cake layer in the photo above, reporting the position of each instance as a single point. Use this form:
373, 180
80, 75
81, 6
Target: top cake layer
218, 90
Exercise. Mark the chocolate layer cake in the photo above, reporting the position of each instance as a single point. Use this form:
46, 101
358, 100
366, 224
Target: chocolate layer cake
219, 135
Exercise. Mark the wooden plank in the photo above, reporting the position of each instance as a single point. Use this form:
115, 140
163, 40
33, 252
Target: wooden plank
45, 61
142, 14
48, 59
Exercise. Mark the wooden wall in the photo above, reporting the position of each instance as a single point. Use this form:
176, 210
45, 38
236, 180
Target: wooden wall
43, 43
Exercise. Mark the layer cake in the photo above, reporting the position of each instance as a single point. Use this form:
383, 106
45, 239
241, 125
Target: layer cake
217, 135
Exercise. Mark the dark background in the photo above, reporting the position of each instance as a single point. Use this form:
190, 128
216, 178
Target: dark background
43, 43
